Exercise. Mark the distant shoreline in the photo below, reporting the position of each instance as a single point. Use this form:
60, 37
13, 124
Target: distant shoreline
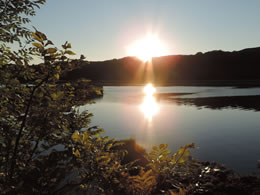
216, 83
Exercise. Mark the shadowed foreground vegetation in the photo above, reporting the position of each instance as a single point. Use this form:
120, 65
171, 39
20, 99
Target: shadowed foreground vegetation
48, 147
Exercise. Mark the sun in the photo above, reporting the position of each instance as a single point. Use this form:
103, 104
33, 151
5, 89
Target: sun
146, 48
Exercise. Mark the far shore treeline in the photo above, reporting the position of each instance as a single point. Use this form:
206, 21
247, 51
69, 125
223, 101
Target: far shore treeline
210, 68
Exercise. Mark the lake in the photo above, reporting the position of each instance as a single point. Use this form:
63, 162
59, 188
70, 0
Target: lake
224, 122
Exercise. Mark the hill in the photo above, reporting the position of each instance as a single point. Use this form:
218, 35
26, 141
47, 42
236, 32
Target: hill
213, 68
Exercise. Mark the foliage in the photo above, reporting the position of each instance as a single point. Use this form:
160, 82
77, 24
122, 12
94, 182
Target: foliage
101, 169
13, 15
37, 118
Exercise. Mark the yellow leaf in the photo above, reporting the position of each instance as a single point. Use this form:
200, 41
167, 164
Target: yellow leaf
38, 81
57, 76
155, 148
99, 92
109, 146
181, 151
163, 146
69, 45
38, 38
54, 96
70, 52
153, 153
186, 153
181, 160
166, 152
76, 153
100, 158
147, 173
173, 193
115, 180
58, 68
85, 136
76, 137
51, 50
182, 191
41, 35
191, 145
105, 162
38, 45
174, 159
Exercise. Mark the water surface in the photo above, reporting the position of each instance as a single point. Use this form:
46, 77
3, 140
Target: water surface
223, 122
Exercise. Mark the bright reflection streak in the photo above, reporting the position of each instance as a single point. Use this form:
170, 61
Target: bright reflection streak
149, 106
149, 90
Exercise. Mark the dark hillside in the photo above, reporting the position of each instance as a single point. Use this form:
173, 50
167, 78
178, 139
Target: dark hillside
210, 66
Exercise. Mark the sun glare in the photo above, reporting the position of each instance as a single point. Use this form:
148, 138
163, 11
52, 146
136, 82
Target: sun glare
149, 106
149, 90
147, 48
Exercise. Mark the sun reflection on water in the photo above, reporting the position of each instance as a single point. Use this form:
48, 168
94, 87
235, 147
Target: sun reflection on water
149, 106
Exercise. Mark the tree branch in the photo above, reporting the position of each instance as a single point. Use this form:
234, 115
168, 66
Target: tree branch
13, 162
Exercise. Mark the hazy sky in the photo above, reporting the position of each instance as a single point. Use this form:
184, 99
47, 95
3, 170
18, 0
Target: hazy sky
102, 29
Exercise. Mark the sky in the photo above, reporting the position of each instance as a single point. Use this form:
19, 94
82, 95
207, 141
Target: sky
103, 29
